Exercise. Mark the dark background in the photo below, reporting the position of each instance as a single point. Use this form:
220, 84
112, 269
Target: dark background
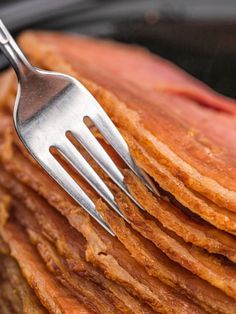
198, 35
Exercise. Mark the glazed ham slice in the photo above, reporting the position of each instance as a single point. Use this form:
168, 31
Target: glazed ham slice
178, 255
53, 296
86, 291
151, 116
207, 267
68, 242
30, 176
27, 300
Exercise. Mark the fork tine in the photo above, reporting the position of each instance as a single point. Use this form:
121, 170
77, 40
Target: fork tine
60, 175
95, 149
113, 136
90, 143
73, 156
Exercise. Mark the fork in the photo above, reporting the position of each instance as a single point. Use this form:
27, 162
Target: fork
50, 104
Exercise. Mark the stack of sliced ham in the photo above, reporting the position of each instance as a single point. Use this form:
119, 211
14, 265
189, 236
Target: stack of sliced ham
176, 256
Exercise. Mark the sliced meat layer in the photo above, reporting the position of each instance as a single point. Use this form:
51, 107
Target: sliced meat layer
30, 304
207, 267
125, 269
71, 245
146, 114
159, 299
87, 292
203, 265
201, 235
185, 158
157, 264
215, 215
163, 268
51, 294
191, 230
27, 302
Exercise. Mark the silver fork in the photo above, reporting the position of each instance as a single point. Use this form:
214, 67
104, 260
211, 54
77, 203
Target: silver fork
48, 105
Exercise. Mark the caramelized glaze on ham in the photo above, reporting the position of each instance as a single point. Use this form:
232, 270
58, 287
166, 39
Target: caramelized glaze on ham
146, 114
52, 295
183, 135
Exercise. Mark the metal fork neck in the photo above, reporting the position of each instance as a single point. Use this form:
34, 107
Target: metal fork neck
13, 52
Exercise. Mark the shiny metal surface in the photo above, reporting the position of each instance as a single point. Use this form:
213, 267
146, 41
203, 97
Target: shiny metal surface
48, 105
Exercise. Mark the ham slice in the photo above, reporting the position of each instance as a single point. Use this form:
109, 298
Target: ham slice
53, 194
173, 218
28, 302
207, 267
92, 294
178, 255
53, 296
68, 242
202, 235
146, 114
71, 245
183, 259
87, 292
112, 258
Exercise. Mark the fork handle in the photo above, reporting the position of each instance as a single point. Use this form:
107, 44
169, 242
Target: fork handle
13, 53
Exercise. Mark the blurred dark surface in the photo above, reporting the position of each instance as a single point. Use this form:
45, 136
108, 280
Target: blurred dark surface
199, 36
